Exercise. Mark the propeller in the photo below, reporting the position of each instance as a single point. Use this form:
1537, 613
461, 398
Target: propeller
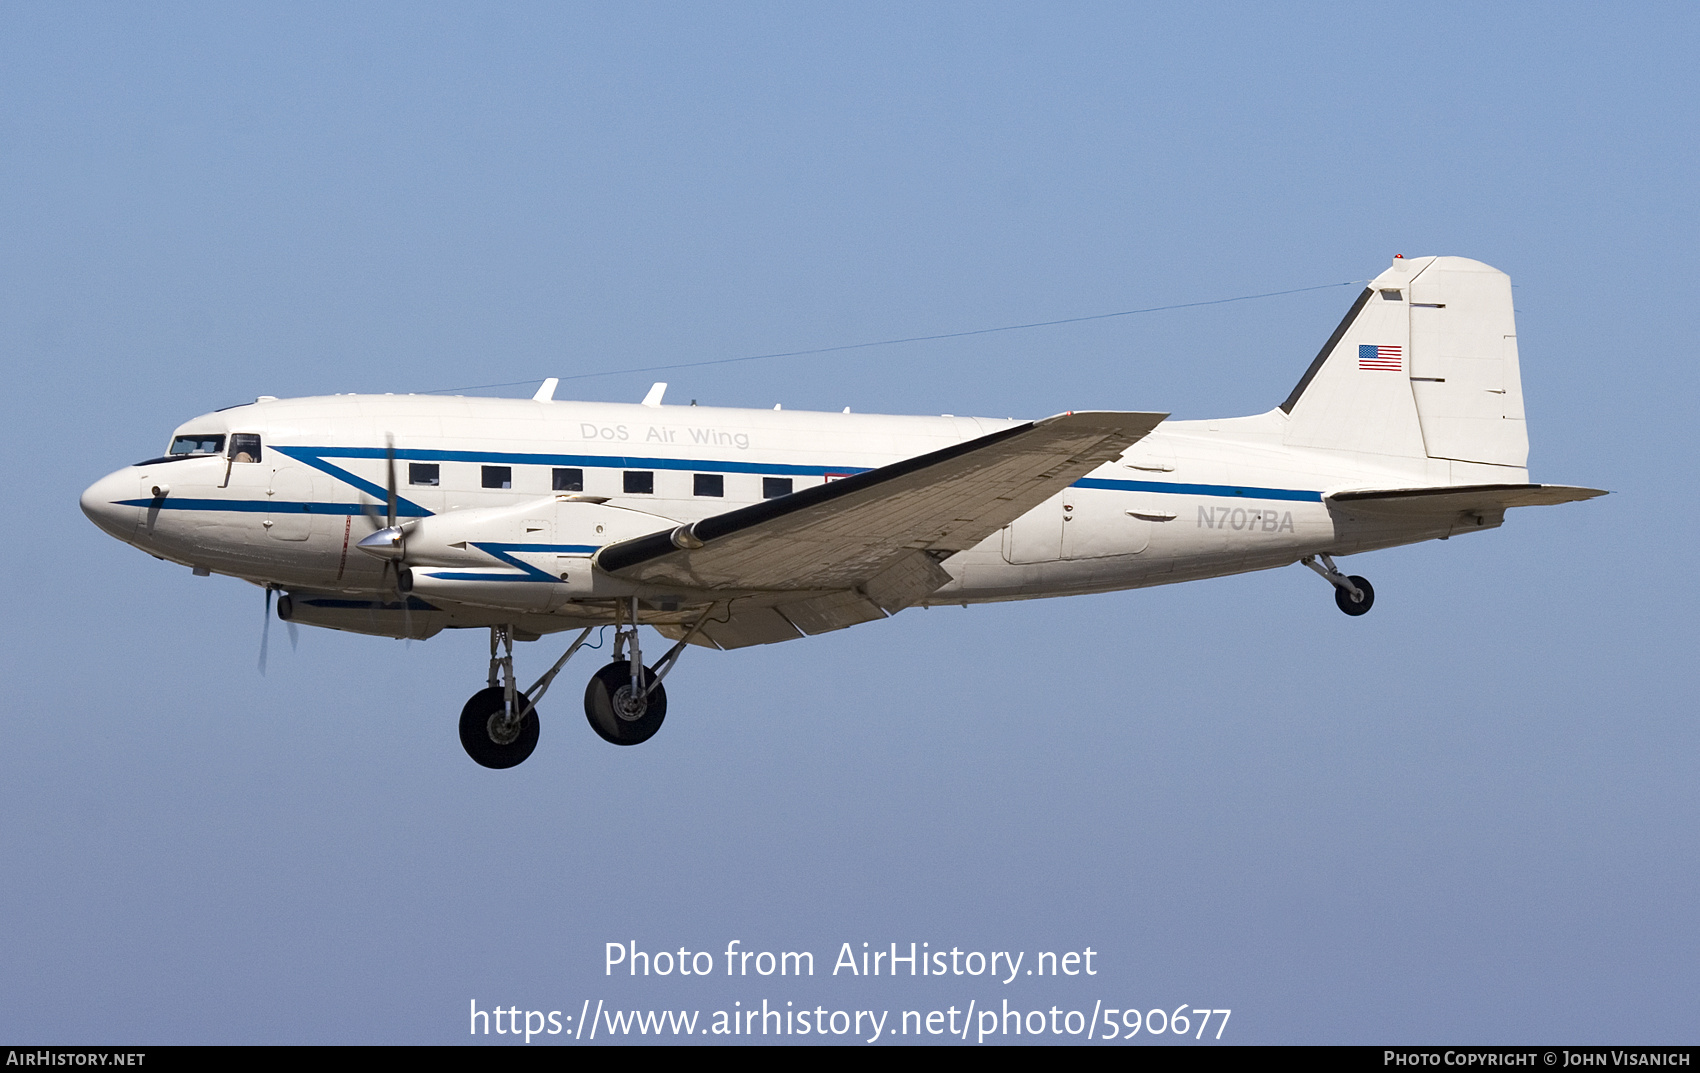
390, 497
390, 541
266, 630
389, 461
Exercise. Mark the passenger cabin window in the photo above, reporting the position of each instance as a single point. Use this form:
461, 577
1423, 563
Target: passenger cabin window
426, 473
197, 445
640, 482
498, 476
709, 484
568, 480
244, 447
774, 487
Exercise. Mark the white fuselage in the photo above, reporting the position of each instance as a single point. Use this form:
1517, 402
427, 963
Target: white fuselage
1193, 499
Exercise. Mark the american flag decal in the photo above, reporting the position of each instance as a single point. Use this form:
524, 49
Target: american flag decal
1390, 358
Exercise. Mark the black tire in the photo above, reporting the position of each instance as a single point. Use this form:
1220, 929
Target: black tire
1354, 607
599, 706
475, 719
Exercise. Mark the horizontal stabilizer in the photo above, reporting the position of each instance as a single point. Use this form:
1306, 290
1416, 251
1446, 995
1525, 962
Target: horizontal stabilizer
1451, 499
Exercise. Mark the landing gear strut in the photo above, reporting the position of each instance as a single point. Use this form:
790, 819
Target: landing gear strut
498, 726
625, 701
1354, 595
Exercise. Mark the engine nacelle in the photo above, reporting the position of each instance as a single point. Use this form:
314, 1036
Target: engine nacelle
506, 590
533, 557
380, 617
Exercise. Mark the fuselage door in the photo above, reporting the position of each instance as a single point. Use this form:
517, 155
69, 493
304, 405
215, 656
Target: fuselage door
1037, 536
1097, 524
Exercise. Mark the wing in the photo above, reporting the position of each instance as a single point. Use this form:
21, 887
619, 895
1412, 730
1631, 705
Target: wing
859, 548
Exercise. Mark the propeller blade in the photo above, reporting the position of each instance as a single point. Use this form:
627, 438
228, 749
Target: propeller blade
389, 583
389, 456
294, 634
392, 567
266, 630
391, 580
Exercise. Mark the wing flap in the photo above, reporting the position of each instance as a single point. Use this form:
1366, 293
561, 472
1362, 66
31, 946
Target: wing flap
905, 579
750, 622
834, 611
751, 626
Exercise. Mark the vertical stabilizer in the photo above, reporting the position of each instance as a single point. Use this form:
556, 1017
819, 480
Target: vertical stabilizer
1424, 365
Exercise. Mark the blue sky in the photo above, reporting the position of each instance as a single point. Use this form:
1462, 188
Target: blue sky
1466, 817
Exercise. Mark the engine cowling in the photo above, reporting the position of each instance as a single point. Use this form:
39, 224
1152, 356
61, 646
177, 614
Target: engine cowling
379, 616
531, 557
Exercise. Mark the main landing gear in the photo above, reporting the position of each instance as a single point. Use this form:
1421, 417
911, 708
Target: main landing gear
498, 725
624, 702
495, 732
625, 708
1354, 595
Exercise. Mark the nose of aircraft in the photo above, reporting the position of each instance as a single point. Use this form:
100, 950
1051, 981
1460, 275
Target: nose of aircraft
103, 502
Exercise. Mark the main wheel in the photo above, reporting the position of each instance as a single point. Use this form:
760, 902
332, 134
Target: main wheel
615, 715
489, 738
1355, 607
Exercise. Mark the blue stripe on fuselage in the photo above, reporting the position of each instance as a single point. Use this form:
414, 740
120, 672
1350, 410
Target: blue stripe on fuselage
249, 506
306, 454
314, 456
1173, 488
504, 552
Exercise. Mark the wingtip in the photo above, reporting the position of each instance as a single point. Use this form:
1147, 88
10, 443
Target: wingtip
1582, 493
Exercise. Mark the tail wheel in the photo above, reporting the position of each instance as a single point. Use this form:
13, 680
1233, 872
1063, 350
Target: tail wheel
1354, 606
618, 716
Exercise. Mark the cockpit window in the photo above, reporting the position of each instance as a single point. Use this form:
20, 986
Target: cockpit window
197, 445
244, 447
